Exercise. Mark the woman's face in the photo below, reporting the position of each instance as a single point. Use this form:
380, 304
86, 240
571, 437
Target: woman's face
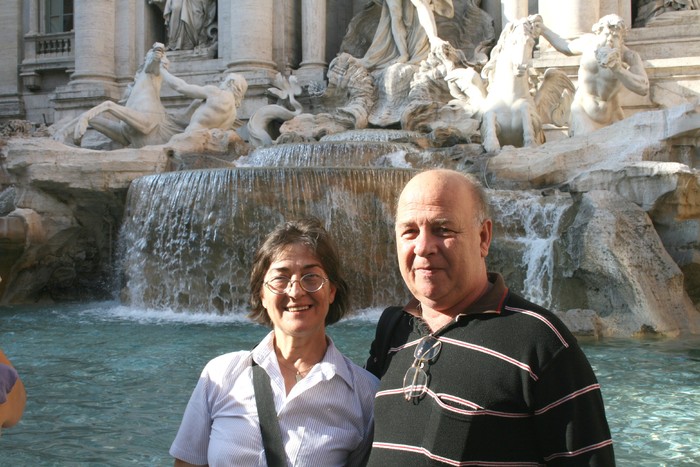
296, 312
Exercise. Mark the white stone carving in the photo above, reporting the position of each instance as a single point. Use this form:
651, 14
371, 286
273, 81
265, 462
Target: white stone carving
406, 31
215, 107
191, 24
259, 125
350, 93
141, 120
606, 66
510, 114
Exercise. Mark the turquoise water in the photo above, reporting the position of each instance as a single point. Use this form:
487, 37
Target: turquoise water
107, 385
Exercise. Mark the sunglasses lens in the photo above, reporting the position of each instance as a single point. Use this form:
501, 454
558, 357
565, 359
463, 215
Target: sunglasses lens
415, 383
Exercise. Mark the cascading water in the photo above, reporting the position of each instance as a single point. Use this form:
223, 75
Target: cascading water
343, 154
528, 224
189, 237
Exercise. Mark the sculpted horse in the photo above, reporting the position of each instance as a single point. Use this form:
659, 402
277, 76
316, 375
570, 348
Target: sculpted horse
510, 114
142, 120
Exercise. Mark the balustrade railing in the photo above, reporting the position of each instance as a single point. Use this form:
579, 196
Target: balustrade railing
54, 45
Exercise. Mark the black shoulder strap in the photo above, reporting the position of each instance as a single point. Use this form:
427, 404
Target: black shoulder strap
386, 329
269, 426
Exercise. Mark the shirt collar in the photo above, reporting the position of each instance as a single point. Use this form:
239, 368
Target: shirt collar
332, 363
490, 302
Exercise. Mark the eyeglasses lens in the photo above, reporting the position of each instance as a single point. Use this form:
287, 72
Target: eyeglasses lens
312, 282
308, 282
415, 381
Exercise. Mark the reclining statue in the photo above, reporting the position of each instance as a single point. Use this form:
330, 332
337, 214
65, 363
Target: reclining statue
141, 120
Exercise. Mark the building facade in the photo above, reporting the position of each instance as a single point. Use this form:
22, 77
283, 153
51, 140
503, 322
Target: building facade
61, 57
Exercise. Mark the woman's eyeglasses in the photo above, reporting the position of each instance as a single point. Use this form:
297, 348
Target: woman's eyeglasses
309, 282
415, 383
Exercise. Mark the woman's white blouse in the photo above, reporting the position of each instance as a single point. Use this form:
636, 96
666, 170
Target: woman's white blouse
327, 418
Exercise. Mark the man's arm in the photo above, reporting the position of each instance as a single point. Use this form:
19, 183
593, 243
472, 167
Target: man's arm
635, 77
183, 87
570, 420
569, 48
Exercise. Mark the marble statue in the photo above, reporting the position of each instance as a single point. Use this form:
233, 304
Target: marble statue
141, 120
350, 95
191, 24
606, 66
510, 114
648, 9
215, 107
406, 31
259, 125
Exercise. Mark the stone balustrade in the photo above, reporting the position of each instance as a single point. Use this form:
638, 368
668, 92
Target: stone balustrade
54, 45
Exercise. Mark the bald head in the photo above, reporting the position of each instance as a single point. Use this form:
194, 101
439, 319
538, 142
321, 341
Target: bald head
448, 184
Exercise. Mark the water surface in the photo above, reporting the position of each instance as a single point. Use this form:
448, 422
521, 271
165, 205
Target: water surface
107, 384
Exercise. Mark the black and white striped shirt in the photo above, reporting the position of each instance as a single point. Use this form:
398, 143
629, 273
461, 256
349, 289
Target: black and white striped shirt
510, 387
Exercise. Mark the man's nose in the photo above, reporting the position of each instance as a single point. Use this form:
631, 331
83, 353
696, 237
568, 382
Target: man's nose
424, 244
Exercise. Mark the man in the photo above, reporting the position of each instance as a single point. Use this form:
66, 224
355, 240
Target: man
471, 373
606, 66
220, 106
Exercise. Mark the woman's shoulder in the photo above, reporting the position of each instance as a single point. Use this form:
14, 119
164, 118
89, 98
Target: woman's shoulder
360, 375
228, 364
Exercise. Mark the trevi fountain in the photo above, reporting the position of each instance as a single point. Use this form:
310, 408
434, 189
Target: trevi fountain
148, 145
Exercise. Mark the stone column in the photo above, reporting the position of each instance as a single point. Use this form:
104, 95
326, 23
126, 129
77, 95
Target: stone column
246, 46
94, 40
94, 78
30, 78
250, 35
512, 10
572, 20
33, 13
313, 41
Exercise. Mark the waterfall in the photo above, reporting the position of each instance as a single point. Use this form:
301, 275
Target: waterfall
526, 239
188, 238
336, 154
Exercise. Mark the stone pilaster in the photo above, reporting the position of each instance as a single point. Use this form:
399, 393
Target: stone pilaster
572, 20
10, 37
622, 8
512, 10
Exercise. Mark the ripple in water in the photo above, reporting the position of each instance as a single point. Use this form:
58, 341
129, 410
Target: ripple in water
108, 384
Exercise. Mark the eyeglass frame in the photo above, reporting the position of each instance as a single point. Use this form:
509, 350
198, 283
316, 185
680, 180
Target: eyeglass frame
291, 282
414, 391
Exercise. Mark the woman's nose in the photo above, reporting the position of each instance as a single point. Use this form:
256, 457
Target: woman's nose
294, 289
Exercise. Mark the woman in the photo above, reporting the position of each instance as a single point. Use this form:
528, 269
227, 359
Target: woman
323, 401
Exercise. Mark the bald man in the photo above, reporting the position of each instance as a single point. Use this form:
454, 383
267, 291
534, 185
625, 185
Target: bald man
472, 373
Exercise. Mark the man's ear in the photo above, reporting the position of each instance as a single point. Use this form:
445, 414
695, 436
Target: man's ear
485, 236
